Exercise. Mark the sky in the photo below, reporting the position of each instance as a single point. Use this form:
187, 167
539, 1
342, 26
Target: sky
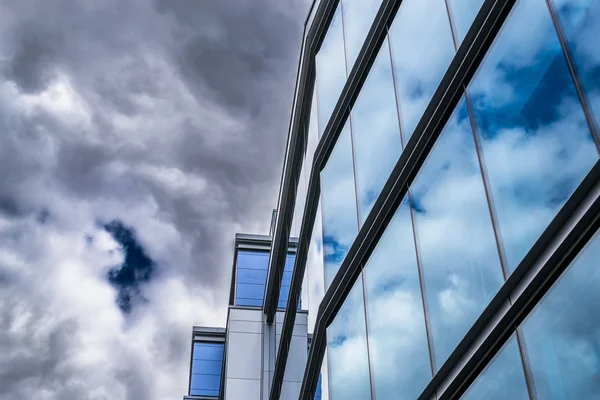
136, 139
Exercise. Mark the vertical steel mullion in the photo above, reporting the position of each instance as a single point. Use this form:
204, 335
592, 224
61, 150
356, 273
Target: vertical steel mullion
493, 214
525, 363
585, 105
420, 272
357, 200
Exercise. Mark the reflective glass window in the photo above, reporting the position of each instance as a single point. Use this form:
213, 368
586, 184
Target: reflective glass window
463, 14
562, 334
422, 49
456, 240
347, 350
207, 364
359, 15
396, 321
315, 271
331, 69
376, 132
286, 282
536, 143
503, 378
338, 202
251, 277
581, 22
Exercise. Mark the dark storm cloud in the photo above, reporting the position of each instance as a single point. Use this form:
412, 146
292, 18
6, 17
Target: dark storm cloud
34, 52
167, 116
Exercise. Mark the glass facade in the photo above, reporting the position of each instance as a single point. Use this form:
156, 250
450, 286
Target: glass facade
422, 49
534, 136
397, 331
338, 202
347, 349
444, 282
207, 364
455, 237
511, 153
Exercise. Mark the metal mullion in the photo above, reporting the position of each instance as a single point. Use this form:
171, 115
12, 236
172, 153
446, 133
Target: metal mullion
492, 210
413, 222
421, 272
290, 174
357, 202
585, 105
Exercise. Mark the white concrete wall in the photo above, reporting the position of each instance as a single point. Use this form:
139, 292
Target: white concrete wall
294, 372
244, 355
251, 351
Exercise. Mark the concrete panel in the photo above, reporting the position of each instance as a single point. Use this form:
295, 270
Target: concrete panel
238, 314
245, 326
297, 358
290, 391
244, 355
243, 389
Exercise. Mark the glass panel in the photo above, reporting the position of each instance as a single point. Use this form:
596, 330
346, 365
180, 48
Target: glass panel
205, 385
581, 22
253, 260
535, 140
207, 364
503, 378
286, 281
359, 15
463, 15
251, 278
455, 235
397, 335
207, 367
347, 350
562, 334
338, 201
331, 69
422, 49
300, 202
315, 271
376, 132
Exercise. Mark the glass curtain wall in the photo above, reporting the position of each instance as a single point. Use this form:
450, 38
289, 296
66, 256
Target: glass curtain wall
561, 341
520, 141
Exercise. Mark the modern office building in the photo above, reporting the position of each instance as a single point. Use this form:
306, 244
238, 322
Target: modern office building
441, 196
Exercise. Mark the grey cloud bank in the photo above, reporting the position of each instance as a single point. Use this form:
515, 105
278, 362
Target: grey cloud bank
168, 116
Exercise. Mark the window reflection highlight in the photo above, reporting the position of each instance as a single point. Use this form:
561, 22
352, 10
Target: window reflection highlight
397, 335
503, 378
535, 139
338, 202
422, 49
347, 350
375, 131
331, 69
455, 235
562, 334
